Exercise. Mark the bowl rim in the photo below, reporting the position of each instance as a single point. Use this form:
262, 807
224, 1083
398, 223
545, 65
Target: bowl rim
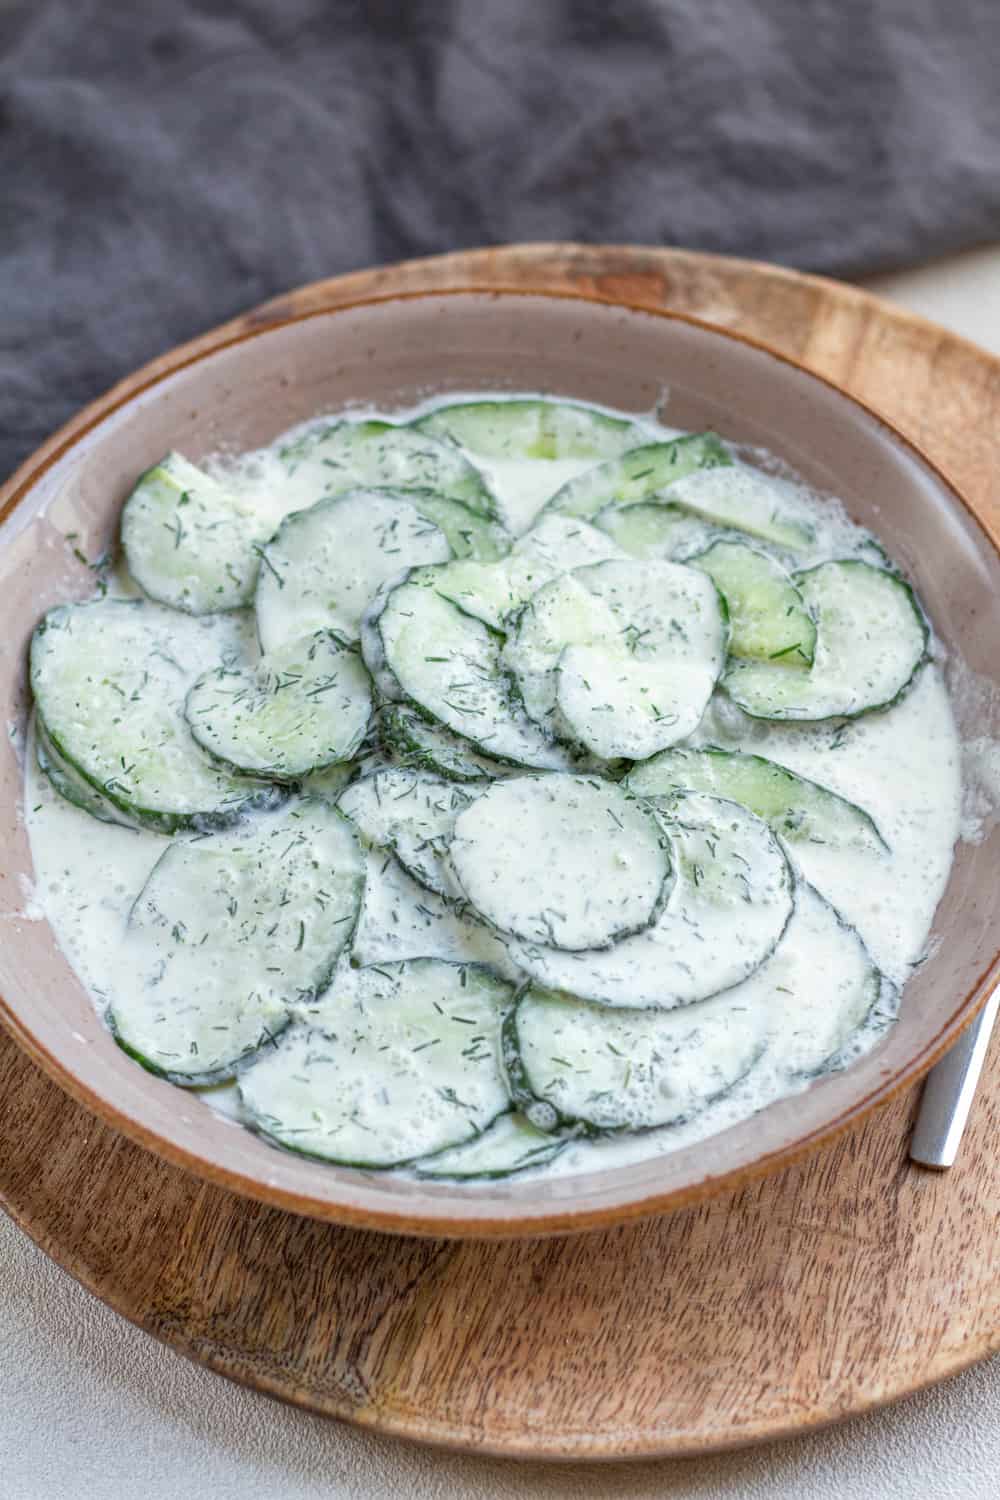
445, 1221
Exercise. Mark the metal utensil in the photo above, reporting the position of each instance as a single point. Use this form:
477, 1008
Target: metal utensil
949, 1092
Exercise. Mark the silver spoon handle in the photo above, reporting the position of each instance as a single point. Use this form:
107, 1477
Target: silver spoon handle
949, 1092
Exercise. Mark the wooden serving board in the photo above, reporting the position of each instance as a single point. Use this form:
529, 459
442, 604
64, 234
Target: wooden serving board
847, 1280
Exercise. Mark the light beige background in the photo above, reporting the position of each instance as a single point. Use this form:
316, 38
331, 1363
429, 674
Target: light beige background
92, 1409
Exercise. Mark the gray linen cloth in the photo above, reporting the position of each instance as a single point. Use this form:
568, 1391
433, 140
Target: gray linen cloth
166, 163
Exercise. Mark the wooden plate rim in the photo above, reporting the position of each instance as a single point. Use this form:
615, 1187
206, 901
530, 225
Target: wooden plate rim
451, 1436
558, 1443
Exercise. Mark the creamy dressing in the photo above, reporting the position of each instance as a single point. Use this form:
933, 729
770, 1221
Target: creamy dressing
903, 766
524, 485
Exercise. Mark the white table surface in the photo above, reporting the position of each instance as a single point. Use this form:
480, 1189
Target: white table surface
93, 1409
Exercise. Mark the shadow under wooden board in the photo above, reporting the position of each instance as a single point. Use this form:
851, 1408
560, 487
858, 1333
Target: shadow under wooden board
847, 1280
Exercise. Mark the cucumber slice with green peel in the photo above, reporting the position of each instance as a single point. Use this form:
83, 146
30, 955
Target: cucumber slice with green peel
656, 532
660, 668
387, 688
67, 780
573, 1062
529, 428
562, 543
305, 706
729, 905
744, 499
627, 711
797, 809
637, 474
413, 814
817, 990
871, 640
331, 781
412, 741
620, 657
189, 542
323, 564
511, 1144
110, 679
768, 620
401, 919
352, 455
421, 649
404, 1061
227, 933
626, 1070
492, 591
568, 861
563, 610
469, 534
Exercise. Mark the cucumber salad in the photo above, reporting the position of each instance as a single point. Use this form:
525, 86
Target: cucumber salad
508, 787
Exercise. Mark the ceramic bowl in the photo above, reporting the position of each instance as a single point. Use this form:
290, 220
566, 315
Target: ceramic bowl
391, 352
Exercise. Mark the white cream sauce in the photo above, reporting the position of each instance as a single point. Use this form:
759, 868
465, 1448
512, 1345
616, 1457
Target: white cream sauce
524, 485
903, 766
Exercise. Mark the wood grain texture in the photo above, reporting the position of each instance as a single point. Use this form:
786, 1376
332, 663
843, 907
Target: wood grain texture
844, 1281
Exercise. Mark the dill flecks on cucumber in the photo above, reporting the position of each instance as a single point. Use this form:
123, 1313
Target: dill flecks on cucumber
473, 852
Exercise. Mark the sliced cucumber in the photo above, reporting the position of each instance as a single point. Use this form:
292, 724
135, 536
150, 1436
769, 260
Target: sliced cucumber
628, 710
67, 780
565, 860
656, 532
325, 563
659, 671
331, 781
404, 1061
412, 814
871, 640
420, 648
636, 475
574, 1062
817, 990
744, 499
522, 428
110, 680
768, 619
350, 455
227, 933
620, 657
563, 610
190, 543
627, 1069
400, 919
728, 908
798, 809
412, 741
492, 591
469, 533
387, 688
305, 706
511, 1144
561, 543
